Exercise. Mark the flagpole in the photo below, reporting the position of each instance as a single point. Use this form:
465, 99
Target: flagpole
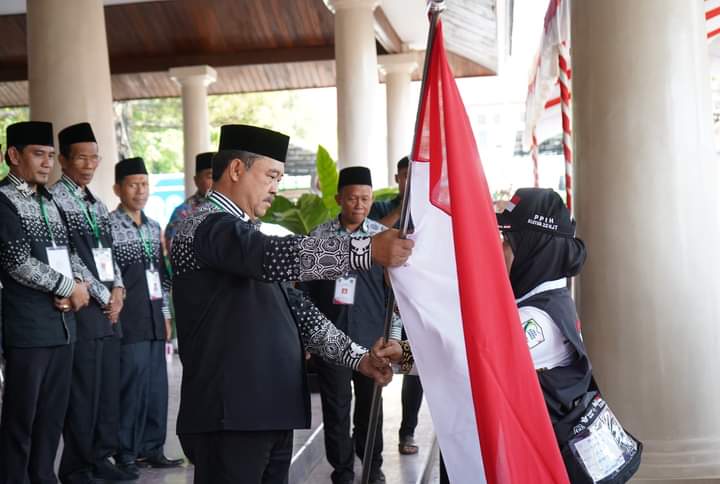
435, 8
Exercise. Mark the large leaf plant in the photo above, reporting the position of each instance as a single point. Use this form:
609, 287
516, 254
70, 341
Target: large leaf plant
313, 209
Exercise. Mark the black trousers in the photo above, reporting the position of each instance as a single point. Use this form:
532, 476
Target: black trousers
91, 424
411, 397
239, 457
143, 400
37, 389
336, 397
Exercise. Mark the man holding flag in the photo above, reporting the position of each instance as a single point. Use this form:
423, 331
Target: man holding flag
457, 277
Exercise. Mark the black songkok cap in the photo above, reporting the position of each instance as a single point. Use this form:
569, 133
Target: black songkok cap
77, 133
403, 163
203, 161
354, 175
129, 166
539, 209
252, 139
30, 133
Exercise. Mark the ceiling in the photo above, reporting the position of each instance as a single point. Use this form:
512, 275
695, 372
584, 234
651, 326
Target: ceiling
255, 45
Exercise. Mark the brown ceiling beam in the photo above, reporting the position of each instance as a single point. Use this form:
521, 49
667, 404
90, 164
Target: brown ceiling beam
385, 33
140, 63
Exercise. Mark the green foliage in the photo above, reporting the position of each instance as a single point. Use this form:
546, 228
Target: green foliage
385, 194
9, 116
312, 209
327, 178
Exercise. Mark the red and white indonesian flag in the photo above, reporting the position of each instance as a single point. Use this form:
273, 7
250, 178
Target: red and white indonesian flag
543, 88
458, 308
712, 17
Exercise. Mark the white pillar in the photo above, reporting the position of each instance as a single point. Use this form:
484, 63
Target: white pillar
356, 80
194, 81
648, 208
398, 69
69, 74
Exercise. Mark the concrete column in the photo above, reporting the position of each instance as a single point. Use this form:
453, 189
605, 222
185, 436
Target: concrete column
194, 81
401, 109
648, 208
69, 74
356, 81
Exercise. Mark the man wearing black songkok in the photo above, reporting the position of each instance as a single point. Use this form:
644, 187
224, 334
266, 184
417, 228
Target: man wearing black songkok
90, 433
41, 275
241, 334
203, 182
145, 320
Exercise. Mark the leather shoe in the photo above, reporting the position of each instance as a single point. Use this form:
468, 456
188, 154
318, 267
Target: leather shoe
129, 468
106, 470
159, 462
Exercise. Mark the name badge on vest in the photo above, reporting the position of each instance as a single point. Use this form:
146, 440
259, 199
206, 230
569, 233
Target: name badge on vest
104, 264
154, 285
345, 290
59, 260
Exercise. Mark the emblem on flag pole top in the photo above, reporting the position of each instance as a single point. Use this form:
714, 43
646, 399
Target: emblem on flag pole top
436, 5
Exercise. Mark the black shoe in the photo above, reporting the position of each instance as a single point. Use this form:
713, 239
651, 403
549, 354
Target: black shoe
108, 471
377, 477
129, 468
83, 477
159, 462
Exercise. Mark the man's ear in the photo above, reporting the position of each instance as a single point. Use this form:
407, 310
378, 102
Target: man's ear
236, 169
337, 198
14, 155
116, 190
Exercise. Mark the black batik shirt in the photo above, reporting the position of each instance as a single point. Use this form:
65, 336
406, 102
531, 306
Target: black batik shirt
241, 334
81, 209
142, 319
30, 318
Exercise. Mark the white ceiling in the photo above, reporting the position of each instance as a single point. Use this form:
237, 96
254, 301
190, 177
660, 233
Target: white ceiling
14, 7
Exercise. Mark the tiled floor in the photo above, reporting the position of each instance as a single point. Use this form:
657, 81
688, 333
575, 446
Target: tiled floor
399, 469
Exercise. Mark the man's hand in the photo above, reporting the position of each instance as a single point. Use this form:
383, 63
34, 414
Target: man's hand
113, 308
80, 296
382, 376
62, 304
390, 351
389, 250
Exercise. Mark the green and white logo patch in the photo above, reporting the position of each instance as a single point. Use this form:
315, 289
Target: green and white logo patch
533, 333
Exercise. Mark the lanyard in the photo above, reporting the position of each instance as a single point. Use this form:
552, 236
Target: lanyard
147, 246
87, 212
45, 218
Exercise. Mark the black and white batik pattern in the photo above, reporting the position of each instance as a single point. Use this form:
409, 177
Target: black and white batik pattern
16, 255
128, 247
321, 337
77, 223
288, 259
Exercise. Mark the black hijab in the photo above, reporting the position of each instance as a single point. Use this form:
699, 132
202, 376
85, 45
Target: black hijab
542, 257
541, 233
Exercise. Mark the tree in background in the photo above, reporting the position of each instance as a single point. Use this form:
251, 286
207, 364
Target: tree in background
152, 128
9, 116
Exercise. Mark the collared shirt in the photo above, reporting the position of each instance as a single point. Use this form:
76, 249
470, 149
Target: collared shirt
30, 318
364, 320
142, 318
77, 205
241, 333
382, 209
191, 205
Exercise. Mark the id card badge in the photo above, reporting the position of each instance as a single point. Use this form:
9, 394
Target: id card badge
153, 283
59, 260
345, 290
104, 264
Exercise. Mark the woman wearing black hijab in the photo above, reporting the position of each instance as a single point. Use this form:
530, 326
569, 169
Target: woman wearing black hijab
541, 253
